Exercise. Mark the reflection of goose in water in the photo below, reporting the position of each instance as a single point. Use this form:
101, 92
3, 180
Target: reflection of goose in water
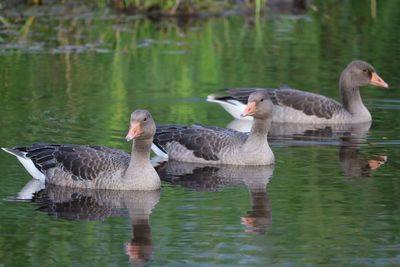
202, 177
352, 164
259, 218
294, 131
351, 138
88, 204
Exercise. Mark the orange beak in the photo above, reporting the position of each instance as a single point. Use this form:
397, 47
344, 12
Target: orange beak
377, 162
378, 81
249, 110
248, 221
133, 251
134, 131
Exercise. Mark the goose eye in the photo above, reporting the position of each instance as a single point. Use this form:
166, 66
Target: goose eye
145, 119
262, 99
365, 70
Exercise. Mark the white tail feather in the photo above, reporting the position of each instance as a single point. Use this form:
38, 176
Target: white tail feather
233, 107
28, 165
158, 151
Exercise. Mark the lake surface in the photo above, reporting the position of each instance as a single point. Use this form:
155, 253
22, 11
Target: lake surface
69, 74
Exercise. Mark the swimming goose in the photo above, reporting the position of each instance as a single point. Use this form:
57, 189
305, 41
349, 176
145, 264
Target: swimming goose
291, 105
214, 145
96, 167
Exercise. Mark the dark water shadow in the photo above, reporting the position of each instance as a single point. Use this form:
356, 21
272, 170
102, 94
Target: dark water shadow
80, 204
350, 138
351, 161
303, 133
201, 177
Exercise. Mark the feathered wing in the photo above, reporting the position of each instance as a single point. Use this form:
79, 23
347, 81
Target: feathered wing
82, 162
205, 142
308, 103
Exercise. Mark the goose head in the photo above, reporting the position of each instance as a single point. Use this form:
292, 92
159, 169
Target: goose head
259, 105
142, 126
360, 73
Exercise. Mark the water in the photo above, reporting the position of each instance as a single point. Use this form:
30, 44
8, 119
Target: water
74, 76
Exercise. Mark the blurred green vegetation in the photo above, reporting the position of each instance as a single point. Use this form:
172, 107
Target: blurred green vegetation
117, 58
166, 7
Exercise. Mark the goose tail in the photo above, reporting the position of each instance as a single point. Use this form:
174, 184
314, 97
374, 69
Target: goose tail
159, 151
29, 165
231, 105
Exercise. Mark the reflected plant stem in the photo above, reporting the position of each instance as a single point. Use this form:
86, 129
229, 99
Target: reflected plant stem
173, 10
373, 9
26, 28
227, 32
63, 40
118, 91
68, 71
259, 33
4, 21
258, 9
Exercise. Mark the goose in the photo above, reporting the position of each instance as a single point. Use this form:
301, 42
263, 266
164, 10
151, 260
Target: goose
214, 145
96, 167
295, 106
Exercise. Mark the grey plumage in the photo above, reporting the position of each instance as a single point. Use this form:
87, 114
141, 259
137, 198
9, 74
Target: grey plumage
82, 162
88, 166
205, 142
295, 106
308, 103
218, 145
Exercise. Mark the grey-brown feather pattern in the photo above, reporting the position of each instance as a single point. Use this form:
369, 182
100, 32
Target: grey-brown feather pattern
308, 103
205, 142
83, 162
95, 167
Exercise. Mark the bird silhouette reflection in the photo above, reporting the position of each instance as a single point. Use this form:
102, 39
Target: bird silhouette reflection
350, 138
88, 204
200, 177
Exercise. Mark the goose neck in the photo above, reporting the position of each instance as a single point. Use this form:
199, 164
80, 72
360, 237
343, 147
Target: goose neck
141, 150
260, 127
